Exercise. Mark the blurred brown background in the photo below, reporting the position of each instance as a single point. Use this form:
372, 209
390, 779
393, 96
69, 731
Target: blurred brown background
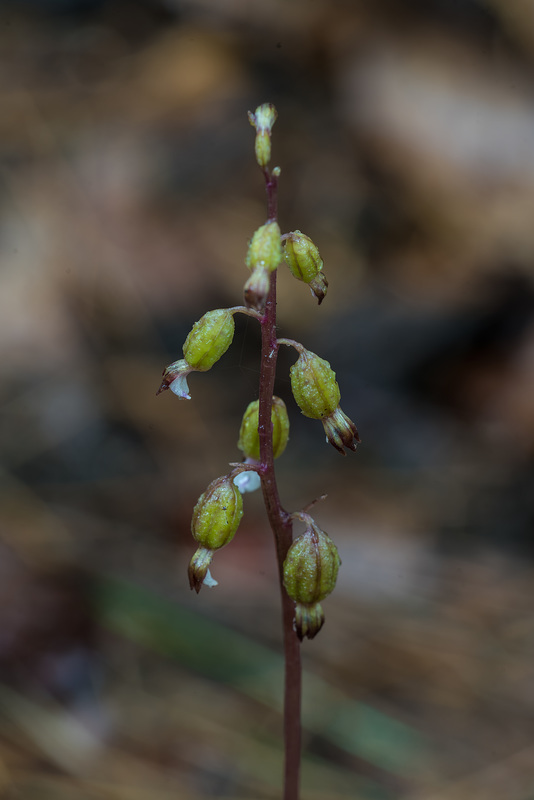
128, 192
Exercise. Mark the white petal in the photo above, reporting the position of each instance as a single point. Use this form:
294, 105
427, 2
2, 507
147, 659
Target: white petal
209, 581
180, 388
247, 481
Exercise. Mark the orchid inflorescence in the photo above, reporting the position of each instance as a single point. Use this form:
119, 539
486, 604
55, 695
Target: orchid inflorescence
311, 562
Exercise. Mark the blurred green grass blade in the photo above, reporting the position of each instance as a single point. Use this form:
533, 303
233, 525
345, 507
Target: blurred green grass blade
168, 628
219, 653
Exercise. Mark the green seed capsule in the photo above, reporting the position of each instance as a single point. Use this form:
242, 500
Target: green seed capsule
310, 572
314, 385
311, 567
217, 514
305, 263
249, 438
302, 256
209, 339
265, 248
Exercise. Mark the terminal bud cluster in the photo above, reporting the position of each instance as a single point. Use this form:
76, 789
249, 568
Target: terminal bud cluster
263, 120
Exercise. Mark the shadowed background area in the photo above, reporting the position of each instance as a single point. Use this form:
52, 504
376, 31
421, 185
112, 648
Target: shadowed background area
128, 192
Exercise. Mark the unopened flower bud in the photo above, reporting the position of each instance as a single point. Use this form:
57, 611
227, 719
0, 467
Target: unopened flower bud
341, 431
216, 518
305, 263
209, 339
262, 148
265, 248
256, 289
175, 379
310, 573
249, 437
314, 385
263, 120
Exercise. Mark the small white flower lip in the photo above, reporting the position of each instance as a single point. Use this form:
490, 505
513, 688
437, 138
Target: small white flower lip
209, 580
248, 481
180, 388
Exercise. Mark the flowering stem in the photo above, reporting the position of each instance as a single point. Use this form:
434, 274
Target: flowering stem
281, 525
271, 188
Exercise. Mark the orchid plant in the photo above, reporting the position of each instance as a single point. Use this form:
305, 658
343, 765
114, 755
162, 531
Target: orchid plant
308, 564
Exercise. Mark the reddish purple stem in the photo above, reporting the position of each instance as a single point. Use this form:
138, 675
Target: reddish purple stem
271, 187
280, 523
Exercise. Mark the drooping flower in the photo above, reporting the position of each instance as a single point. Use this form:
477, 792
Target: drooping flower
310, 573
215, 520
317, 394
207, 341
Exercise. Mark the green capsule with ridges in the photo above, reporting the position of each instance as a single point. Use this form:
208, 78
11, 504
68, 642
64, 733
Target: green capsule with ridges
311, 567
304, 261
314, 385
310, 573
217, 514
265, 248
249, 437
209, 339
302, 256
